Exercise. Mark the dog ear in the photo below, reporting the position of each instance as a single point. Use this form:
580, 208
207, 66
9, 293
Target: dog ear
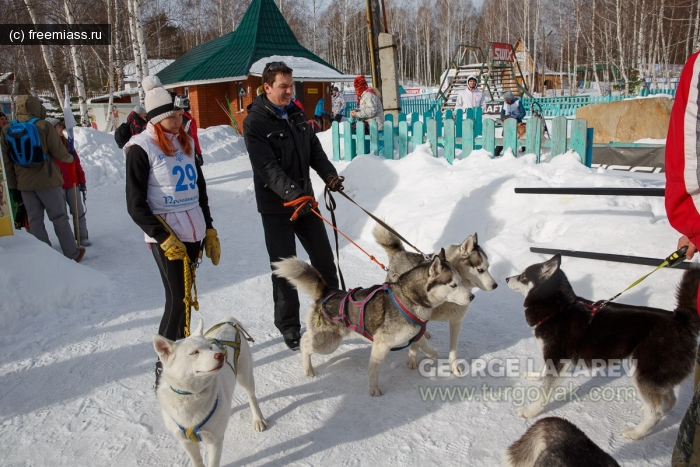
551, 266
436, 266
468, 245
442, 255
200, 329
164, 347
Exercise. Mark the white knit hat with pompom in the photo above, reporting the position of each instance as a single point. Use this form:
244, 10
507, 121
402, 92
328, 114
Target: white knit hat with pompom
159, 101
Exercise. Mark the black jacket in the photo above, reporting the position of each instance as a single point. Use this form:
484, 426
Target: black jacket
281, 152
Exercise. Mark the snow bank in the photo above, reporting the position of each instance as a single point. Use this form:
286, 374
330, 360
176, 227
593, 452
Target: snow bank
36, 278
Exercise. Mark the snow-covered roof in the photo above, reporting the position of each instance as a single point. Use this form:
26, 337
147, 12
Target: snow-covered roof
304, 69
103, 98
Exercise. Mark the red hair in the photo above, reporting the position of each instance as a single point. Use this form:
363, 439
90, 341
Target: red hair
167, 146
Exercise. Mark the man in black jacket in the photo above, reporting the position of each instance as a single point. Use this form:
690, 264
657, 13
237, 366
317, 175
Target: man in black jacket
282, 148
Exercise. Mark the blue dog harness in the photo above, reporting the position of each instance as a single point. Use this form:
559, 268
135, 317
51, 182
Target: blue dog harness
360, 326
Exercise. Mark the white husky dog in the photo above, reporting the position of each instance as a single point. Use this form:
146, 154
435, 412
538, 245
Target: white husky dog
196, 386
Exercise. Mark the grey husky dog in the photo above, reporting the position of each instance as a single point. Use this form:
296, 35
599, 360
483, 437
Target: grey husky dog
390, 315
471, 262
555, 442
196, 387
572, 331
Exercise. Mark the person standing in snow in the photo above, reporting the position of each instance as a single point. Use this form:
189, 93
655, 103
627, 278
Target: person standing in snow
471, 97
682, 199
283, 148
163, 179
137, 120
369, 104
39, 188
512, 107
337, 105
73, 176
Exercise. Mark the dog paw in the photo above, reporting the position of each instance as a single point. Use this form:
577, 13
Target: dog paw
632, 433
431, 353
309, 372
375, 391
259, 425
456, 369
530, 411
412, 363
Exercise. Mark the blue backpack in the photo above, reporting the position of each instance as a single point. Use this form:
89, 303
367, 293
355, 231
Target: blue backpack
24, 144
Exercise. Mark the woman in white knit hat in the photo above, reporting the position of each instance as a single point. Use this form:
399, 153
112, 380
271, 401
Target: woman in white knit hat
163, 179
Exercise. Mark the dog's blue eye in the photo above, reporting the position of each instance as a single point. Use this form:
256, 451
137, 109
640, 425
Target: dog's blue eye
195, 352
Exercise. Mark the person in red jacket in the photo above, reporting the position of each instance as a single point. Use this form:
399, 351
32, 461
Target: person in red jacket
73, 177
189, 124
683, 211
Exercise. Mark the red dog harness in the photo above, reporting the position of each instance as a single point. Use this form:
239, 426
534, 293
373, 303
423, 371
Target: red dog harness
360, 326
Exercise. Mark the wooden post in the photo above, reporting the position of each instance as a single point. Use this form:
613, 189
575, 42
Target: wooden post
533, 137
449, 140
335, 131
432, 136
359, 138
347, 141
558, 136
510, 135
467, 126
388, 139
418, 133
490, 136
374, 138
578, 137
403, 138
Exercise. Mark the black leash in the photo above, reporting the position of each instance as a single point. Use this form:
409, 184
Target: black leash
383, 224
331, 206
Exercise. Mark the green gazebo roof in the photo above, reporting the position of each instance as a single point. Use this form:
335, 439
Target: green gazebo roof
263, 32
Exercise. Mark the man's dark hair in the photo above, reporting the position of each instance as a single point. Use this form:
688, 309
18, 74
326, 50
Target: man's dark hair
271, 71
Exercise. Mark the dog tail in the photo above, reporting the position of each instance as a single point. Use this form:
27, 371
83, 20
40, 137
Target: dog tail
525, 451
303, 276
387, 240
687, 296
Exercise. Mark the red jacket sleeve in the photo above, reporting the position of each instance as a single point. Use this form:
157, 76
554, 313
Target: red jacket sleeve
193, 127
683, 155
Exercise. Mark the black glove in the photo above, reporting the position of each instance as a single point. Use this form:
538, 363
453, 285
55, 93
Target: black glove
335, 183
199, 160
83, 188
305, 210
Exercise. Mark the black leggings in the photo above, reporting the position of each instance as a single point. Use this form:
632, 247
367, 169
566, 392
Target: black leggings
172, 325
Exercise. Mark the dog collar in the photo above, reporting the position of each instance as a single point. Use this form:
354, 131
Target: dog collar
181, 392
192, 433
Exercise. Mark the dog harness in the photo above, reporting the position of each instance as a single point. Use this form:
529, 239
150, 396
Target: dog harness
593, 308
360, 326
192, 433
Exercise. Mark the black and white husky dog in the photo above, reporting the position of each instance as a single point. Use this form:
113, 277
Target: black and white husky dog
661, 344
555, 442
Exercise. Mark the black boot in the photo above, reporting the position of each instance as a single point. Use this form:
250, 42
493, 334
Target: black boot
292, 340
159, 370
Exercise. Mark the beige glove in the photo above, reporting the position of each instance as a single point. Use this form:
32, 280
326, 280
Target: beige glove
212, 246
174, 248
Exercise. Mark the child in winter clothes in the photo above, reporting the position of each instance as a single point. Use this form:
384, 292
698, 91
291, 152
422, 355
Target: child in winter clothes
370, 106
164, 180
73, 179
137, 120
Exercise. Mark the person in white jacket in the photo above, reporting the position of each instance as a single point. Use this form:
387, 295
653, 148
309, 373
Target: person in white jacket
471, 97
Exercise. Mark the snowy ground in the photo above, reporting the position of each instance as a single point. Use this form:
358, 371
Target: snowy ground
76, 377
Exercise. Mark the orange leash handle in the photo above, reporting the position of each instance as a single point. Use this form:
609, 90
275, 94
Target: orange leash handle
300, 202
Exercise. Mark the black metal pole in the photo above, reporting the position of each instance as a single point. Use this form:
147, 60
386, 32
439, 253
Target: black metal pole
608, 257
594, 191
